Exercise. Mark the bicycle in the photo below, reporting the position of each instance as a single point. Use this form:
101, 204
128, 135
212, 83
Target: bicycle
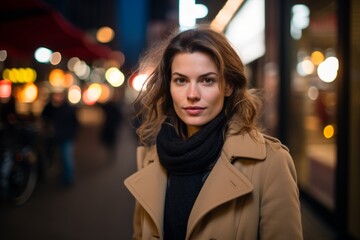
18, 164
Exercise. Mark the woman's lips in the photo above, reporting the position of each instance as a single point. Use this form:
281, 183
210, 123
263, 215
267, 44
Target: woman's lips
194, 110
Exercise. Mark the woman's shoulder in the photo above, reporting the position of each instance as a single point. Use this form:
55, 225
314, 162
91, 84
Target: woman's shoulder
254, 145
260, 156
278, 156
277, 161
274, 142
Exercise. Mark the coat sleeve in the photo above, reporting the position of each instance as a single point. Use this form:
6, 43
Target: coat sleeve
280, 216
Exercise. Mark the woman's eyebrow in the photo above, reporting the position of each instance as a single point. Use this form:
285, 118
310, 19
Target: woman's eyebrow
209, 73
176, 73
202, 75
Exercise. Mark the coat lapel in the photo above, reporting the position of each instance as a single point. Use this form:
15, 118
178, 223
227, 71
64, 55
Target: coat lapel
225, 182
148, 186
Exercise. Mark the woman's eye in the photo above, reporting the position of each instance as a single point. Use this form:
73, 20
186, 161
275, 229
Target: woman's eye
179, 81
208, 81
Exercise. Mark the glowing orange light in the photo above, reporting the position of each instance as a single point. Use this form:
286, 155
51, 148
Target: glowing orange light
105, 34
68, 80
26, 93
317, 57
57, 78
329, 131
105, 93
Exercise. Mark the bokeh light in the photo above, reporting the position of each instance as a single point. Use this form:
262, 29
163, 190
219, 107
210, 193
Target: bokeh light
305, 67
3, 55
138, 82
329, 131
93, 92
72, 62
68, 80
19, 75
5, 88
74, 94
43, 55
300, 20
57, 78
313, 93
317, 57
26, 93
82, 70
55, 58
105, 34
115, 77
85, 98
327, 70
106, 93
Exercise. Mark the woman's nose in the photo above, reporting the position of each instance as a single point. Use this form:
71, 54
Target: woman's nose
193, 93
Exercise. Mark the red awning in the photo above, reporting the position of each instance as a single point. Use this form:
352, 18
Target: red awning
26, 25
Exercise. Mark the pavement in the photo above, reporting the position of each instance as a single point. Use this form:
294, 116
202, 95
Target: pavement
96, 207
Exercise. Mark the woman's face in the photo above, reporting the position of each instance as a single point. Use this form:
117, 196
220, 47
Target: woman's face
195, 89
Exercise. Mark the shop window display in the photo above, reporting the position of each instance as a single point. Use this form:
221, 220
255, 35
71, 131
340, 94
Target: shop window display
314, 97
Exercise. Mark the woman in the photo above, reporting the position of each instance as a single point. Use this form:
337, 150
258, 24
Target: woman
205, 170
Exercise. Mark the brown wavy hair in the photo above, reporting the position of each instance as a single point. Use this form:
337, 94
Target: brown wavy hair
155, 103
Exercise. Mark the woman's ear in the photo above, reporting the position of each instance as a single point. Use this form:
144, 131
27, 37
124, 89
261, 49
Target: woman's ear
228, 90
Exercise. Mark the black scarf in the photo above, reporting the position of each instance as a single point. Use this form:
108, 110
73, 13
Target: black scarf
193, 155
188, 163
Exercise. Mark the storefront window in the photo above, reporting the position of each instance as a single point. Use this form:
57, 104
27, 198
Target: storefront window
314, 97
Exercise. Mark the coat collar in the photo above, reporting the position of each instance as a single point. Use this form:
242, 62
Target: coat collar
224, 183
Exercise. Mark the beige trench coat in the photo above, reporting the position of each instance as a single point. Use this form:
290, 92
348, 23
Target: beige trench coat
250, 194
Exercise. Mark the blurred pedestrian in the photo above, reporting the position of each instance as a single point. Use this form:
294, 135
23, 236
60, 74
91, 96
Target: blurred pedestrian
110, 128
61, 121
205, 169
